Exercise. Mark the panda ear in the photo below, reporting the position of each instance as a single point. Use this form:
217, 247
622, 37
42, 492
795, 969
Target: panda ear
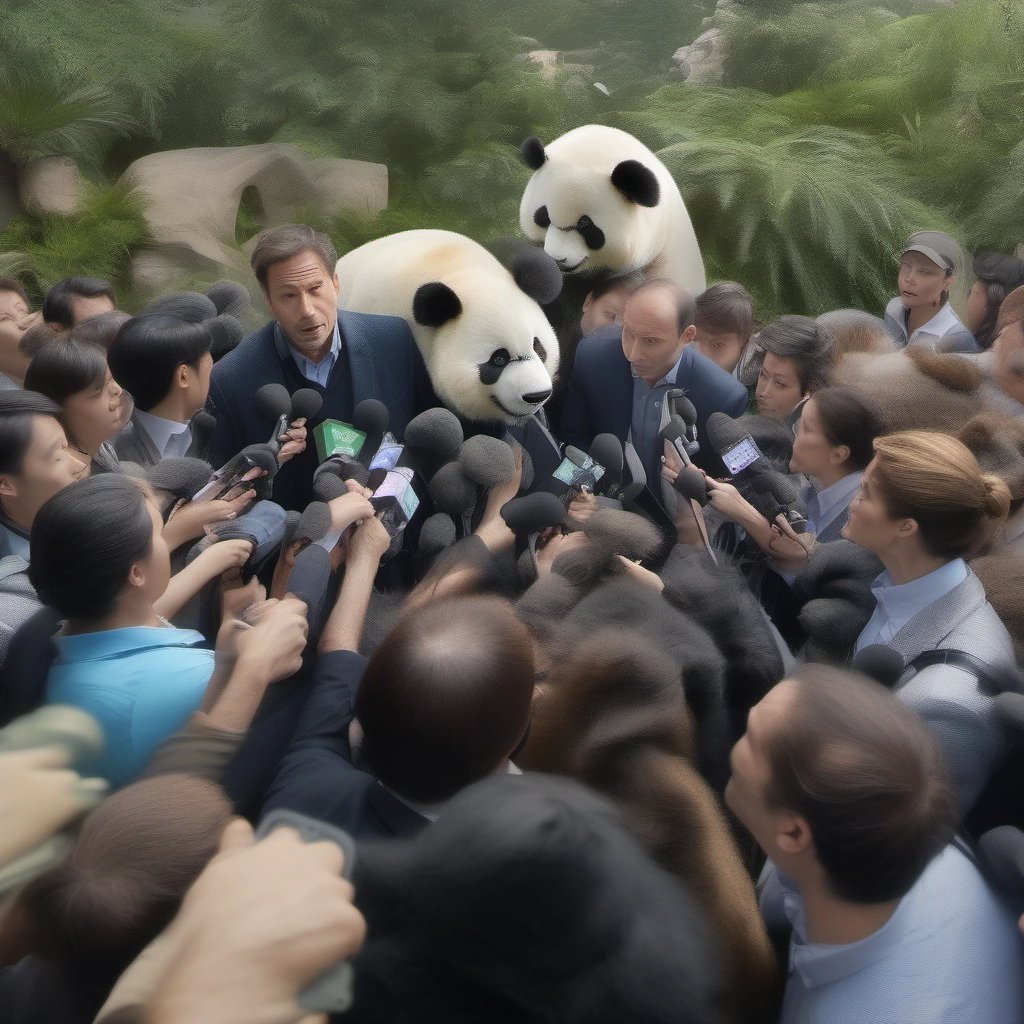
531, 152
435, 304
537, 274
637, 182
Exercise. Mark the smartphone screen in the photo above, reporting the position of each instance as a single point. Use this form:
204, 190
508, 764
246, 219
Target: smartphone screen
571, 473
741, 455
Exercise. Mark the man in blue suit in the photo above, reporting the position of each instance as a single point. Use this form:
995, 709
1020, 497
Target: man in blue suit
622, 374
310, 343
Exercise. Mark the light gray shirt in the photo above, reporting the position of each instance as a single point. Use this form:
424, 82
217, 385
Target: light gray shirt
170, 438
945, 331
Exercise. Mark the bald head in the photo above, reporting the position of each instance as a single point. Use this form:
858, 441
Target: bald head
656, 325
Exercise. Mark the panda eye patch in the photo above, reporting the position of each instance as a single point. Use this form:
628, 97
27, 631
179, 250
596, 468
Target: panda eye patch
541, 218
492, 369
540, 349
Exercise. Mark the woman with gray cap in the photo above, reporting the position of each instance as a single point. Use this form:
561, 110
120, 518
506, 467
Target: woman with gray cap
921, 314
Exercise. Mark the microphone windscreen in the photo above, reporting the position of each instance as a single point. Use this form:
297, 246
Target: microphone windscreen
723, 432
881, 663
451, 490
1001, 851
437, 533
371, 417
291, 522
203, 423
780, 486
310, 580
528, 471
327, 487
685, 409
262, 456
691, 483
1009, 708
230, 297
192, 307
487, 461
306, 404
273, 401
625, 533
606, 449
181, 477
314, 523
343, 468
533, 513
435, 430
226, 332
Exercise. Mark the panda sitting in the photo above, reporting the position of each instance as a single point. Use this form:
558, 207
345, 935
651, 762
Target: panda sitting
489, 349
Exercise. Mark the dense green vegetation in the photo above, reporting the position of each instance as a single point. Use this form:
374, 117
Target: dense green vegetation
840, 125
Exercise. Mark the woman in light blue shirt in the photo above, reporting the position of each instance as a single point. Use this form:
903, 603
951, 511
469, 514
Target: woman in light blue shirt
99, 558
924, 505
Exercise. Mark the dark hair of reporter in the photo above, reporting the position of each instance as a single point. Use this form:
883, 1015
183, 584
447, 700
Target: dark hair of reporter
849, 417
869, 778
132, 863
580, 926
66, 366
804, 341
18, 410
101, 329
57, 304
148, 350
725, 307
84, 541
445, 700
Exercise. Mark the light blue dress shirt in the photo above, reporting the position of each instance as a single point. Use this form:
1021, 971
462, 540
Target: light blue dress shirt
950, 954
170, 438
13, 539
649, 410
825, 505
897, 605
318, 373
140, 682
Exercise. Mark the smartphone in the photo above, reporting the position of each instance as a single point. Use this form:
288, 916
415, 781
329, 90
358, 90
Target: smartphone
332, 991
573, 473
741, 455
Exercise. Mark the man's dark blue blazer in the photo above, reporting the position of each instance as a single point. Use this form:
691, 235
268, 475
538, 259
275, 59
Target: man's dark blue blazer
316, 776
379, 360
600, 397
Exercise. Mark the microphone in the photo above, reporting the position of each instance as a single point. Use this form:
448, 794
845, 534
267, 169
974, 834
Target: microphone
684, 411
314, 523
181, 477
372, 419
396, 500
606, 451
433, 438
487, 461
578, 471
306, 403
691, 483
1001, 852
274, 402
529, 516
203, 423
880, 663
781, 496
255, 456
327, 487
437, 533
452, 491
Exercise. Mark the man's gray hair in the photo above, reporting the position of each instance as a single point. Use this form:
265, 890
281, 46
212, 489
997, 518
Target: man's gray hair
273, 245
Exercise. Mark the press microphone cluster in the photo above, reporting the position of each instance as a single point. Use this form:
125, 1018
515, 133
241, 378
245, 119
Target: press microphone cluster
274, 402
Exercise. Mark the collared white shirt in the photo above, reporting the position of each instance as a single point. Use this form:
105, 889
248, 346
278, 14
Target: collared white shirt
318, 373
898, 604
649, 415
825, 505
170, 438
944, 322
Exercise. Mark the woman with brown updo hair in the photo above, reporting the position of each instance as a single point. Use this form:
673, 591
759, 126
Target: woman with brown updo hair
924, 506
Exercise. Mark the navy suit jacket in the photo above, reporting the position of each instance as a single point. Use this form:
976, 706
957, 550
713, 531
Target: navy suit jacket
316, 776
600, 398
380, 361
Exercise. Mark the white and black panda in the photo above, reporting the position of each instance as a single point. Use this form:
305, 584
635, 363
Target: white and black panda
601, 201
489, 349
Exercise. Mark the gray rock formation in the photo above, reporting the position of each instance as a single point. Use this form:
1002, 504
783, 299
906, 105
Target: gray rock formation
192, 198
50, 184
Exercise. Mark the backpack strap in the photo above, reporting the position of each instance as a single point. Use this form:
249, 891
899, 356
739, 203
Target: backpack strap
988, 682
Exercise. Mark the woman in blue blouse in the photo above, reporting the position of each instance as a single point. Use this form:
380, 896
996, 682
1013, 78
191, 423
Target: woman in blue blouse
99, 558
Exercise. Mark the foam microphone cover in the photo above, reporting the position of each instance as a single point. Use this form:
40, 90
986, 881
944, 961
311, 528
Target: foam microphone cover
273, 401
606, 449
314, 523
1001, 852
487, 461
723, 432
226, 332
691, 483
291, 523
437, 533
310, 580
230, 297
305, 405
451, 490
683, 408
533, 513
181, 477
625, 533
371, 417
193, 307
881, 663
529, 473
262, 456
203, 423
327, 487
343, 469
437, 431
